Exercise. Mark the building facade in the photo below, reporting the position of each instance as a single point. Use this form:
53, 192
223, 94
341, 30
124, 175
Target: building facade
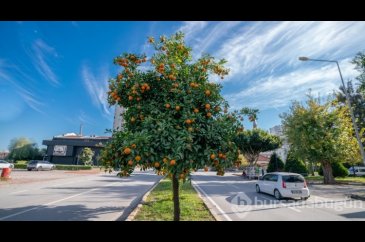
65, 149
282, 152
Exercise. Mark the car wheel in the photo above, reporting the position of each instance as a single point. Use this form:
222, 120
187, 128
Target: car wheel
277, 194
305, 198
39, 168
258, 189
29, 169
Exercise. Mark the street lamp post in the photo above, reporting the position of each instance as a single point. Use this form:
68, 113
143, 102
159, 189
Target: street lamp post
348, 101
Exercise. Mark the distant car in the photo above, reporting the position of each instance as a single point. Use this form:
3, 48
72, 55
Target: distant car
40, 165
283, 185
357, 170
5, 164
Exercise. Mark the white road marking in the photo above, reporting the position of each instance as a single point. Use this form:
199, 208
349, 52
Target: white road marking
57, 201
18, 191
211, 200
294, 209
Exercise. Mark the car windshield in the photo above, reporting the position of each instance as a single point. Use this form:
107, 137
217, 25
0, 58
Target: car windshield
293, 178
33, 162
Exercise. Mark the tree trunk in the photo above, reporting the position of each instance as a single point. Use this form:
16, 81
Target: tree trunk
327, 173
312, 168
254, 124
175, 190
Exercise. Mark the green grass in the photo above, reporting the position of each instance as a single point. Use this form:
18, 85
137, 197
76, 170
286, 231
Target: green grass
159, 205
338, 179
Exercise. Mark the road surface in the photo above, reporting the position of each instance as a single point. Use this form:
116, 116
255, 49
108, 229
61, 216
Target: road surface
98, 196
233, 198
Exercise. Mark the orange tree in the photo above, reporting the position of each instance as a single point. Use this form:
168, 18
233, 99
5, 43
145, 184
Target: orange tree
174, 119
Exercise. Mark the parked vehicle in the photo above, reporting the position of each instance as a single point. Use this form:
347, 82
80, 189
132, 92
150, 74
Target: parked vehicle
40, 165
5, 164
283, 185
357, 170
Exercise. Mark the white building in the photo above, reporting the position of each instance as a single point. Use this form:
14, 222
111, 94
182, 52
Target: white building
118, 118
282, 152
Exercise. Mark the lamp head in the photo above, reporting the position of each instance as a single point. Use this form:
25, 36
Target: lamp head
303, 58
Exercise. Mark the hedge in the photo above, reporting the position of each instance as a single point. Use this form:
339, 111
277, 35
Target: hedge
20, 166
73, 167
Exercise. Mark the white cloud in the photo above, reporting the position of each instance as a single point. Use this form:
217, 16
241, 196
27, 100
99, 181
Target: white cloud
40, 57
27, 94
97, 88
263, 58
192, 28
277, 91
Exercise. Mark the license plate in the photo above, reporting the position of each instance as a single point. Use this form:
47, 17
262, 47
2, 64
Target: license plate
296, 192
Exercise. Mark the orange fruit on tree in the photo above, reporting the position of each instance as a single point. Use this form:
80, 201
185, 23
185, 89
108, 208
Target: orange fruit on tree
130, 162
190, 129
188, 121
157, 165
137, 158
212, 156
207, 106
220, 155
177, 108
209, 115
172, 162
127, 151
207, 93
165, 160
217, 108
134, 146
196, 110
130, 98
167, 105
133, 119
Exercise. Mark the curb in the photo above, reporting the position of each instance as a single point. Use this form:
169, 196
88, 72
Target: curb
137, 204
207, 203
358, 197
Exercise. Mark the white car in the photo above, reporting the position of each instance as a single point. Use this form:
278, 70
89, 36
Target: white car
5, 164
40, 165
283, 185
357, 170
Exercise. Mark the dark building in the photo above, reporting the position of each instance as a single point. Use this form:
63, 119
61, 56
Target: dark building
66, 149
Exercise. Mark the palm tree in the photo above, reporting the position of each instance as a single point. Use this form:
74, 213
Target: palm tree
252, 115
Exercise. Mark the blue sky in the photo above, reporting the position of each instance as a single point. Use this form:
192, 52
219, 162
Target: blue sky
53, 75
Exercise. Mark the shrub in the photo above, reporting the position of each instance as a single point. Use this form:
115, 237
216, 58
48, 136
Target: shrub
275, 164
338, 170
73, 167
295, 165
20, 166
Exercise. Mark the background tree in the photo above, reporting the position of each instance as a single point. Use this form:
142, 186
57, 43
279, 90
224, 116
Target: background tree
86, 156
275, 163
357, 99
24, 149
321, 132
252, 142
174, 122
357, 94
359, 62
251, 114
293, 164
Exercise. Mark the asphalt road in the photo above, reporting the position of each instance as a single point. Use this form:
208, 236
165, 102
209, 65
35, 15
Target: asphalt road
233, 198
75, 198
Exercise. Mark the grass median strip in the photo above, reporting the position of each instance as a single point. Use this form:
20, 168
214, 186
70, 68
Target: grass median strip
159, 205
